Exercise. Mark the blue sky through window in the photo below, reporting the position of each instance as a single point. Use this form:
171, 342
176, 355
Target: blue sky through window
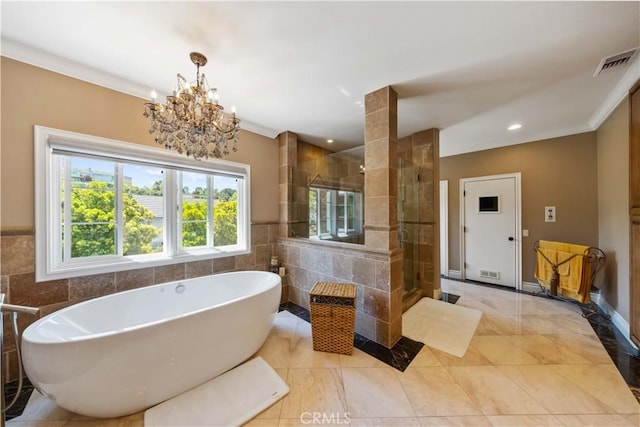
145, 176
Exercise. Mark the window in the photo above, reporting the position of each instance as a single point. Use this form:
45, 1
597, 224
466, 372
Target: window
107, 208
334, 213
488, 204
208, 210
97, 211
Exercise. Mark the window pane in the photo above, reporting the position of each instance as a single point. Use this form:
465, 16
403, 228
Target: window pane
225, 211
143, 209
92, 239
351, 212
313, 213
341, 212
325, 211
194, 198
93, 207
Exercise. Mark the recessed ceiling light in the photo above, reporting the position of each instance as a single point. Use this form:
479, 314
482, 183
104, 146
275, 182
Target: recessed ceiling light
329, 141
515, 126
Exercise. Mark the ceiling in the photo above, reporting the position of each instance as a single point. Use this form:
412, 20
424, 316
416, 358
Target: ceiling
470, 69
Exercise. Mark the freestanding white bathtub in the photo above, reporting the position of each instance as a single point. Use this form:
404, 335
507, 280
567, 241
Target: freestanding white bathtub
125, 352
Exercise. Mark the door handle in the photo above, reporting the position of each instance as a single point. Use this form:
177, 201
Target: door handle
511, 239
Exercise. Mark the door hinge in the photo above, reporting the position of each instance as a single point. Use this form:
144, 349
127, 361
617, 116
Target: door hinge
464, 228
418, 276
465, 265
418, 178
464, 193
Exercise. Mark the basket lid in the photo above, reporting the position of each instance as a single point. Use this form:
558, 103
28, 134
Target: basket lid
332, 289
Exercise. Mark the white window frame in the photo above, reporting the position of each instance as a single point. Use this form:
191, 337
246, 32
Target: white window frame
49, 264
331, 219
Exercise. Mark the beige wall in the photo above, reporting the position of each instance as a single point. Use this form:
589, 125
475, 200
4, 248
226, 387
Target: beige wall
557, 172
613, 207
34, 96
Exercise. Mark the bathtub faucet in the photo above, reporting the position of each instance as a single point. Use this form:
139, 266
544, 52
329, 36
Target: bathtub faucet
14, 310
11, 308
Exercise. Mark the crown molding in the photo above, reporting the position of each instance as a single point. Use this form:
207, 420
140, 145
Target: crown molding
259, 129
39, 58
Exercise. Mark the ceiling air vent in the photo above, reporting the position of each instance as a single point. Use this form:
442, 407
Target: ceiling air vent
618, 60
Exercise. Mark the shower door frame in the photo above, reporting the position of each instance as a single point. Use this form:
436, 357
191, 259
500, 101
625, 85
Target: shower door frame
417, 292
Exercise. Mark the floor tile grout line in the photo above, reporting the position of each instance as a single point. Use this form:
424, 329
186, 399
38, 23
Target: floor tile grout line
591, 394
288, 394
344, 391
406, 394
541, 404
516, 385
475, 405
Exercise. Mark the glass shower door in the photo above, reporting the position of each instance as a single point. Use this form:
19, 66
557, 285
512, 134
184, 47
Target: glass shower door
409, 225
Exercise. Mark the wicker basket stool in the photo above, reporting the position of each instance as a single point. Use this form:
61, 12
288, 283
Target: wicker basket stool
333, 315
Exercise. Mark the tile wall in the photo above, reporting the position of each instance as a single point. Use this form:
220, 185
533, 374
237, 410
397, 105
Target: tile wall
17, 279
373, 272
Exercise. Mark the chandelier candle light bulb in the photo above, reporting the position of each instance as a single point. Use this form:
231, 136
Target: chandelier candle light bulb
190, 123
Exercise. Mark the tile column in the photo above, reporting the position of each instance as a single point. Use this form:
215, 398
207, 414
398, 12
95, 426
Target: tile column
380, 208
288, 155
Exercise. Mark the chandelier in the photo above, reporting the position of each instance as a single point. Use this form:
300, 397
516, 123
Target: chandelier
192, 122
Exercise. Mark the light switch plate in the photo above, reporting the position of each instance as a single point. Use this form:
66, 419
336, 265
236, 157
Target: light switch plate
549, 214
525, 233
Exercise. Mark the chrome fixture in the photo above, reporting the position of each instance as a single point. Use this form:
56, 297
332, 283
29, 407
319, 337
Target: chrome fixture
192, 122
14, 310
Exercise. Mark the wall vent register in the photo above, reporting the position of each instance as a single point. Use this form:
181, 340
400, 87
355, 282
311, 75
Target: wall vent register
488, 274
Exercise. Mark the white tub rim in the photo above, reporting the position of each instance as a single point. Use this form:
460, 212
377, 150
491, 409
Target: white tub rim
60, 340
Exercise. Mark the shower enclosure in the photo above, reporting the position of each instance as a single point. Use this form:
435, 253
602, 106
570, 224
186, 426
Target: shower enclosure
409, 230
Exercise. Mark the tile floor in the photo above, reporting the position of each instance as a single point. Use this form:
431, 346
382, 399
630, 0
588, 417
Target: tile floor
441, 325
532, 361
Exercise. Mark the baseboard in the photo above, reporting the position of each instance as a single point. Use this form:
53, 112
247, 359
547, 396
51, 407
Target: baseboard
530, 287
617, 320
454, 274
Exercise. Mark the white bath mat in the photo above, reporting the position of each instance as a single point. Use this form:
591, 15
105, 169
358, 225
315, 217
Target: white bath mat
441, 325
230, 399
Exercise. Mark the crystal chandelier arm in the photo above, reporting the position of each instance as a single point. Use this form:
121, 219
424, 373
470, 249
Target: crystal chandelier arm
182, 83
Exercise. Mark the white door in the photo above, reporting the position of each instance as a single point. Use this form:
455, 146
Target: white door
444, 228
490, 229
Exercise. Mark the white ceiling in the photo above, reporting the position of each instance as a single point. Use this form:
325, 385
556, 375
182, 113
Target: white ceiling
468, 68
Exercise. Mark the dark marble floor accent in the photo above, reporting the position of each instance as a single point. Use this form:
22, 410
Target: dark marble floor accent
299, 311
450, 298
625, 357
399, 356
10, 390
